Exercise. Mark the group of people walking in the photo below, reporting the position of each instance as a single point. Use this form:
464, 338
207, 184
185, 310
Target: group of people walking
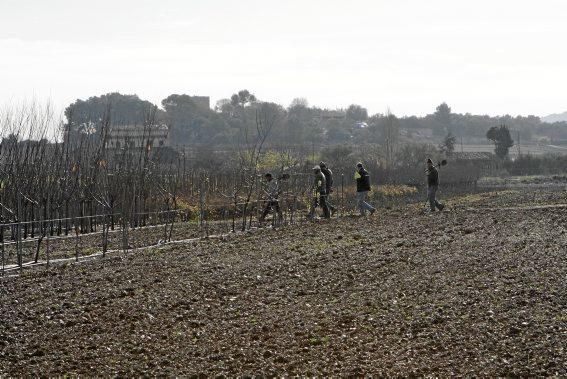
323, 188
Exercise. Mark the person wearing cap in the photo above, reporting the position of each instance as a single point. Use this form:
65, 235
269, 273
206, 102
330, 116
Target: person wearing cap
362, 178
433, 186
272, 191
329, 184
320, 193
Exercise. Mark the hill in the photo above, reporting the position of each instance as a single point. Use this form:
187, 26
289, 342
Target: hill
556, 117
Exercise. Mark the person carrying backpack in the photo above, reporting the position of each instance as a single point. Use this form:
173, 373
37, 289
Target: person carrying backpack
329, 185
362, 178
320, 194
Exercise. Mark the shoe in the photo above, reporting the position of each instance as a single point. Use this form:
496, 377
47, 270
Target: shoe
372, 211
441, 206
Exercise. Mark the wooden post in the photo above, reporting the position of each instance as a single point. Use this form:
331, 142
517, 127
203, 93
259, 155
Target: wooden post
47, 216
77, 233
104, 234
23, 219
342, 194
47, 248
2, 247
19, 232
32, 233
234, 213
66, 217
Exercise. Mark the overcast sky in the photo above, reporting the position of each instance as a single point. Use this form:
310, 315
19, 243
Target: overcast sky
482, 56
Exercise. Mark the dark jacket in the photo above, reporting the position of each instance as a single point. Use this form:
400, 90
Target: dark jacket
328, 178
362, 180
432, 177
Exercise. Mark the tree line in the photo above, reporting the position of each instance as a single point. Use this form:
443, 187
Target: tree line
191, 123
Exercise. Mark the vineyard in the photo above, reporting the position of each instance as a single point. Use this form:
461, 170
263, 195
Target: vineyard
78, 196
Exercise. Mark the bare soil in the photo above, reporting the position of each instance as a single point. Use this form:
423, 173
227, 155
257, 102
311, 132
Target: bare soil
476, 292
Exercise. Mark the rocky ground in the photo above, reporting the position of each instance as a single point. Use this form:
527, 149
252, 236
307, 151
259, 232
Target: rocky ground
477, 290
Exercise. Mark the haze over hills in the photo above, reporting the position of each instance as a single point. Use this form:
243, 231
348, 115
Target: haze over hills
555, 117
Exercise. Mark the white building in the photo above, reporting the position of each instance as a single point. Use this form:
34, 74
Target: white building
137, 136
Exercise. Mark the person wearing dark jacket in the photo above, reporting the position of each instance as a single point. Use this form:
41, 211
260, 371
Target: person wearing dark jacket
362, 178
320, 193
433, 186
329, 184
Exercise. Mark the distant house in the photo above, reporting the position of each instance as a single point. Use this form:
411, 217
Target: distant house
137, 136
484, 161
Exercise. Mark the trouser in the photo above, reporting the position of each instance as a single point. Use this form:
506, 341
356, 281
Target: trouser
329, 205
431, 197
271, 204
322, 202
363, 206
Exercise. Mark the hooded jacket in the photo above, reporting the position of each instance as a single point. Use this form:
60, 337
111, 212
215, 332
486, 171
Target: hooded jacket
432, 177
362, 180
